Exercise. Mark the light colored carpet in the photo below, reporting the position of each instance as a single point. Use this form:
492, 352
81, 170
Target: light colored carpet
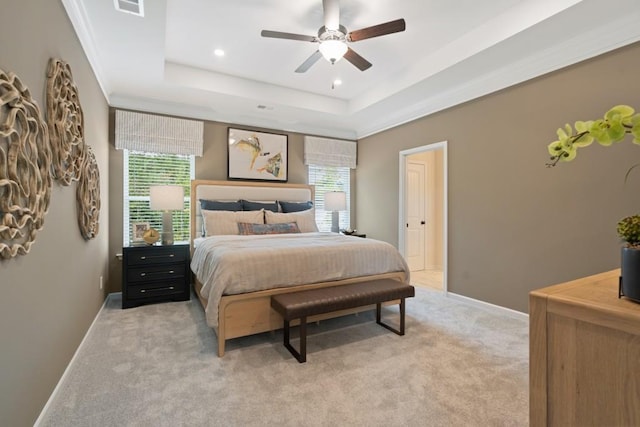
156, 365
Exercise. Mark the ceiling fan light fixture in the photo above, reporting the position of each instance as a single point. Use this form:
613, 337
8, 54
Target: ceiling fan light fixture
333, 50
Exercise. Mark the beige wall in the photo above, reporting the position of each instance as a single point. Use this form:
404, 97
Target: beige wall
513, 224
51, 295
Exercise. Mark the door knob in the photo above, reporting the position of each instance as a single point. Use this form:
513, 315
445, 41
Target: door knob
421, 222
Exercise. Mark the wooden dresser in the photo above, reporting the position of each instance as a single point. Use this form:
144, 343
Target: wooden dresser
584, 350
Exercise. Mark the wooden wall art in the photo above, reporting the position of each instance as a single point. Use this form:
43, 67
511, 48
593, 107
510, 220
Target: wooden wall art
66, 122
25, 161
88, 195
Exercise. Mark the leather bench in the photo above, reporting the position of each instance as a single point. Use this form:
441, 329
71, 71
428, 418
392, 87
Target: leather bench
300, 305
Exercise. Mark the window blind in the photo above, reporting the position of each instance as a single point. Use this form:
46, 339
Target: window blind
141, 170
151, 133
329, 152
330, 179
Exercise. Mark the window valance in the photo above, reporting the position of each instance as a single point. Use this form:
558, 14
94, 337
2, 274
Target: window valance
151, 133
329, 152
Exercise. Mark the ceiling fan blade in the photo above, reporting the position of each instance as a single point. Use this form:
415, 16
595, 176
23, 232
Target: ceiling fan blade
357, 60
377, 30
289, 36
331, 10
309, 62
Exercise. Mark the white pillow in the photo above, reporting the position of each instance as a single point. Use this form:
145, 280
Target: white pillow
306, 220
226, 222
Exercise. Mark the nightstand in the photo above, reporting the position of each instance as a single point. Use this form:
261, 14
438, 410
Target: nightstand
155, 273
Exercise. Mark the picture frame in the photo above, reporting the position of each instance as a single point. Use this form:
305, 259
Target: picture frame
137, 231
258, 156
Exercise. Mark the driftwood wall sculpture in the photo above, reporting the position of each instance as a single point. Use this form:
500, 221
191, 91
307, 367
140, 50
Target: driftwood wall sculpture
72, 159
25, 159
88, 195
66, 122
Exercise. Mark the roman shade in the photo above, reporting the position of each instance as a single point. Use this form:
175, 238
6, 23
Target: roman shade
151, 133
329, 152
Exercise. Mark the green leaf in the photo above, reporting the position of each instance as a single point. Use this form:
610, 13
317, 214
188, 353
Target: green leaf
598, 130
619, 112
582, 126
635, 128
583, 140
616, 132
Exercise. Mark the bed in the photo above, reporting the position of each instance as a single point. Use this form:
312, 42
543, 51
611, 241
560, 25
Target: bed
237, 300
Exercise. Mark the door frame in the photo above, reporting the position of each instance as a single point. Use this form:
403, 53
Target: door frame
403, 155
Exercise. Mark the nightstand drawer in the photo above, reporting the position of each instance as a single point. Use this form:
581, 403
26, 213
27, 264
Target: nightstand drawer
156, 255
156, 289
154, 273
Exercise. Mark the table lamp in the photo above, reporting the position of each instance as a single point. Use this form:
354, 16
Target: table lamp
166, 198
335, 201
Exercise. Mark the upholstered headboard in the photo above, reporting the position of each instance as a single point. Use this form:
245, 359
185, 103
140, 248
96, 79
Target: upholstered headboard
249, 190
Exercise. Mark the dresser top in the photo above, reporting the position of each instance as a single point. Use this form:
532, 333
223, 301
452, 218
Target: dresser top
593, 299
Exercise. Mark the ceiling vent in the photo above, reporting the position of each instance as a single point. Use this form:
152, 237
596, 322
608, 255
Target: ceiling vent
133, 7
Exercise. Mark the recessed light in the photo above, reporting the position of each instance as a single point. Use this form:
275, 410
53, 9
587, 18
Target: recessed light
337, 82
218, 52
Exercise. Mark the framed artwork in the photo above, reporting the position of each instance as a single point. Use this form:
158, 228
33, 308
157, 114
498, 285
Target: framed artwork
137, 231
258, 156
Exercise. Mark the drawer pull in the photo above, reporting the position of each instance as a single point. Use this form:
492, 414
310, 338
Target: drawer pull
158, 256
142, 291
158, 273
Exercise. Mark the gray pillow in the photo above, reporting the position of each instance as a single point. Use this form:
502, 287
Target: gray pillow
219, 205
295, 206
248, 205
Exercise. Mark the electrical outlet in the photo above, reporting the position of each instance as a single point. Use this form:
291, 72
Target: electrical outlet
100, 282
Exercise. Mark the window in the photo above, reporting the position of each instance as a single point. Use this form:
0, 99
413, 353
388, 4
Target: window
328, 178
141, 170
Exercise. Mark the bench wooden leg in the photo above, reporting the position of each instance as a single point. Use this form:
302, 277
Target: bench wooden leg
379, 318
302, 355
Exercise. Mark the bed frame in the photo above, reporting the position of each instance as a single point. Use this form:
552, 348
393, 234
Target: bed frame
251, 313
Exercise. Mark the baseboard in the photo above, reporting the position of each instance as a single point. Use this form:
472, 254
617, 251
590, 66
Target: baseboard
67, 369
488, 306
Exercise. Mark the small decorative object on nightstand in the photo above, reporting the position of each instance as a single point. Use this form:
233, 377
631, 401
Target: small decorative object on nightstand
155, 273
350, 232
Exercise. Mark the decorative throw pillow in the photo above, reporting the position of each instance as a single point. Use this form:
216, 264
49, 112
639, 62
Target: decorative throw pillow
248, 205
226, 222
306, 220
287, 207
246, 228
220, 205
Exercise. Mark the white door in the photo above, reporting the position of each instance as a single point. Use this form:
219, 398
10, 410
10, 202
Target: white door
415, 221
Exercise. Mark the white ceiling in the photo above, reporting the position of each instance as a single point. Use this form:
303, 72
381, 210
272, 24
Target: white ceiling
451, 52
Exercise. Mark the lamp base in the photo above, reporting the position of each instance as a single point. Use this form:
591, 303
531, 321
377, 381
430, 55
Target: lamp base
167, 228
335, 222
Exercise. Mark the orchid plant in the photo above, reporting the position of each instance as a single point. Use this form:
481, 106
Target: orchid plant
614, 127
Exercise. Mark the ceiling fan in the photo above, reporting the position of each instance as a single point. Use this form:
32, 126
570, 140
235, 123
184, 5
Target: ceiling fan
333, 38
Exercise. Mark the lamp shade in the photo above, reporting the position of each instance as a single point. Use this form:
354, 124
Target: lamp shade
166, 197
335, 201
333, 50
